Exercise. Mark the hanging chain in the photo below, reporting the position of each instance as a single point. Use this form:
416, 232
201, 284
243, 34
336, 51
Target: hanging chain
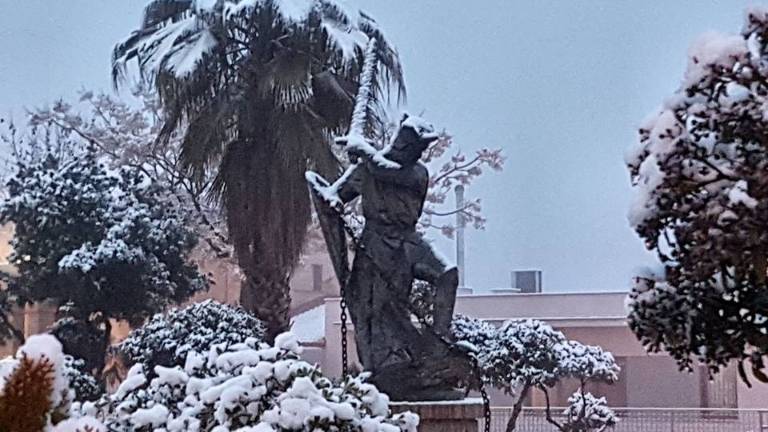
483, 394
344, 349
357, 127
486, 408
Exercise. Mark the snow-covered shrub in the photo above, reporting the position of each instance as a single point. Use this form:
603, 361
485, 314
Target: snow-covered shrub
84, 386
35, 395
525, 354
700, 171
166, 338
245, 387
473, 332
586, 413
102, 242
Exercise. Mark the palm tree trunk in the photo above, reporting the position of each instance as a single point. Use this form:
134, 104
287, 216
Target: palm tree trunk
268, 298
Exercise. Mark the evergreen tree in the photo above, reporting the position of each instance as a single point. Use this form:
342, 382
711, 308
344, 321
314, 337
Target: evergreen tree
700, 170
101, 243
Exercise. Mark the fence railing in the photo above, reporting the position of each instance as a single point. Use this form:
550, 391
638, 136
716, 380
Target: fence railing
647, 420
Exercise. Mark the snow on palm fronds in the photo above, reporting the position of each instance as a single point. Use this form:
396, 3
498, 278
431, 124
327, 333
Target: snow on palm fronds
176, 35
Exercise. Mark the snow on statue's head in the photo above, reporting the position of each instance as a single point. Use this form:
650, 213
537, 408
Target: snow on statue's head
413, 137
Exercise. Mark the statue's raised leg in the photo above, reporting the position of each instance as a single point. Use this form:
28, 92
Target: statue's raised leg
431, 269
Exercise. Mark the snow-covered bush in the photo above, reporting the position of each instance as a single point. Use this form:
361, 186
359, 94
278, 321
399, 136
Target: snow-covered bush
700, 170
167, 338
102, 242
525, 354
83, 385
245, 387
473, 332
35, 393
586, 413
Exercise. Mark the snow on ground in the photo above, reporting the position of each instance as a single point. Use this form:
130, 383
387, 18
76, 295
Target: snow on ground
309, 326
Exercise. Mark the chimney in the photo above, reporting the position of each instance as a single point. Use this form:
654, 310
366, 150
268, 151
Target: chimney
527, 281
317, 277
460, 223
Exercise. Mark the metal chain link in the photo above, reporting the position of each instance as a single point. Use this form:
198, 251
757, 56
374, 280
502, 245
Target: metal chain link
344, 354
483, 394
486, 409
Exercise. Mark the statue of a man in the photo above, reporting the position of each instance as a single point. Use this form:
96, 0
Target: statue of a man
408, 361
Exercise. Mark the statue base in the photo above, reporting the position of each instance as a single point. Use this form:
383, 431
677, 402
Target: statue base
444, 416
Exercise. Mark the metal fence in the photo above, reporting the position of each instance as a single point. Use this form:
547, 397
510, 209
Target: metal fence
647, 420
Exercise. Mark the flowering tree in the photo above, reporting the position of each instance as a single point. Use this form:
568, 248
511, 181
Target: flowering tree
524, 354
100, 243
699, 170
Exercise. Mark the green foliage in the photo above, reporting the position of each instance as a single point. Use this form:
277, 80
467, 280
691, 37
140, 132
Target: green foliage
105, 243
167, 338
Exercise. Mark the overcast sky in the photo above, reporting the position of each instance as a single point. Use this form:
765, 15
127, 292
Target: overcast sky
560, 85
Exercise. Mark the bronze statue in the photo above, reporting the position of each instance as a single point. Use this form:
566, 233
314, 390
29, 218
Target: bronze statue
406, 360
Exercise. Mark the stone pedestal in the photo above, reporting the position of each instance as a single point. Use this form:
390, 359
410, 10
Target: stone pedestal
445, 416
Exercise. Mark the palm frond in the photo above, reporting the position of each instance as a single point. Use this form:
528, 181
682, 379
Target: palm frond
160, 11
259, 88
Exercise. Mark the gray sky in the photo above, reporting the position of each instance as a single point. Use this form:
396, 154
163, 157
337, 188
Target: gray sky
560, 85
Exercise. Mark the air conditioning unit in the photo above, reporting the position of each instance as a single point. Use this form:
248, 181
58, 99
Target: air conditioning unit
527, 281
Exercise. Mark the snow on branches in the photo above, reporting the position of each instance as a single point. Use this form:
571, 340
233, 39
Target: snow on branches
521, 355
167, 338
96, 237
126, 135
245, 387
585, 413
700, 174
101, 242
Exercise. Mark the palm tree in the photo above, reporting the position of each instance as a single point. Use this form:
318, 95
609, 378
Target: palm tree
258, 88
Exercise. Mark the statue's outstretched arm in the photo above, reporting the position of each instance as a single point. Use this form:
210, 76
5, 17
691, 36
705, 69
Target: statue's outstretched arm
328, 200
343, 190
349, 185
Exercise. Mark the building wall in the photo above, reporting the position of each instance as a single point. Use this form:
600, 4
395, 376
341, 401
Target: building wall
654, 381
307, 289
646, 381
755, 397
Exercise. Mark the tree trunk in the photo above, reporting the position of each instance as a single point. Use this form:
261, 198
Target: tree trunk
518, 408
269, 299
85, 339
15, 332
